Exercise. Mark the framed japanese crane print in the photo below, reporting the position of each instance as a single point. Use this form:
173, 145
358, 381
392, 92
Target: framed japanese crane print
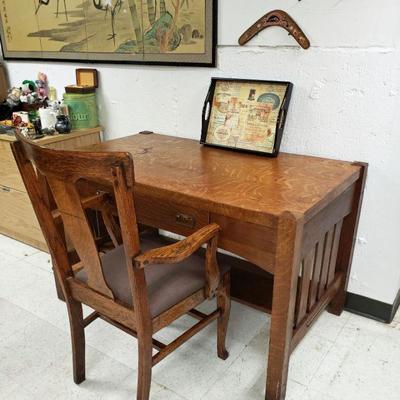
182, 32
246, 115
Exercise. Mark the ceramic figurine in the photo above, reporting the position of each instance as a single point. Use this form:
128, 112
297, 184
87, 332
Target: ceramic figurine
28, 86
14, 96
42, 85
63, 124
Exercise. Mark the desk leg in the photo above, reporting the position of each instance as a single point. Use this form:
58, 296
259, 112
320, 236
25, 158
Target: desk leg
283, 304
347, 243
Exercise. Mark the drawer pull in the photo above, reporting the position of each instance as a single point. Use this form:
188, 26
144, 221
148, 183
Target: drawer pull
5, 189
185, 220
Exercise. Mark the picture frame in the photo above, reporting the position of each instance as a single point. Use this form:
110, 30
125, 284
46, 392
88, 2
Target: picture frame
246, 115
153, 32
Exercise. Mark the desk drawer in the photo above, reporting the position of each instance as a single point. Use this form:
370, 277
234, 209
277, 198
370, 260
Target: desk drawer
255, 243
170, 216
17, 218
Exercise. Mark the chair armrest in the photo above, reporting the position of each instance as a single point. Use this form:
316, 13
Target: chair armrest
179, 251
183, 249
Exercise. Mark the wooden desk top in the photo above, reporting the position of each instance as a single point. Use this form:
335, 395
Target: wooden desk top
226, 182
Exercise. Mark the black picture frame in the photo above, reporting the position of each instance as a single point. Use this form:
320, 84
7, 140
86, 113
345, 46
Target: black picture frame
280, 124
212, 63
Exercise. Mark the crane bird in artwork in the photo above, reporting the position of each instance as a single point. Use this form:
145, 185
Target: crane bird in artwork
46, 3
112, 6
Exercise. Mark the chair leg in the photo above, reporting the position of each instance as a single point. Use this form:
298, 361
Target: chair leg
145, 366
224, 304
78, 339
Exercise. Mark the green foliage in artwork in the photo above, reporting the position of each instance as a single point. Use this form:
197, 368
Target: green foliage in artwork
162, 29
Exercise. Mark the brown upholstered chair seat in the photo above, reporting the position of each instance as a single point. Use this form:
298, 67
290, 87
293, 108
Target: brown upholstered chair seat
167, 284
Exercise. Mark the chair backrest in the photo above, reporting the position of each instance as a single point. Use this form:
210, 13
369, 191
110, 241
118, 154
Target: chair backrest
62, 170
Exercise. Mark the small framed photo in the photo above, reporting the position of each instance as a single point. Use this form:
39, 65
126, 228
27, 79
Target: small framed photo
246, 115
87, 77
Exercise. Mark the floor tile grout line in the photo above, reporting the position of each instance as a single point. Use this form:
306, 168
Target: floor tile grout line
169, 389
113, 358
332, 343
87, 344
327, 353
18, 258
318, 367
233, 361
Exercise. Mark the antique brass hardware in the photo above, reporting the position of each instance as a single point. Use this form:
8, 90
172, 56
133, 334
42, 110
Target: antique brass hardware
185, 220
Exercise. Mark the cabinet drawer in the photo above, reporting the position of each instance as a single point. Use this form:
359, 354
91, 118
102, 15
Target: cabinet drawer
169, 216
17, 218
10, 176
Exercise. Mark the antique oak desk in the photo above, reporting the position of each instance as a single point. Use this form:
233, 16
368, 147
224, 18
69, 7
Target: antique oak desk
294, 217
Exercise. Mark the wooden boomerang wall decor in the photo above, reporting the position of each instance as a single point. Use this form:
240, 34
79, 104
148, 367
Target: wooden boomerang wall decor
276, 18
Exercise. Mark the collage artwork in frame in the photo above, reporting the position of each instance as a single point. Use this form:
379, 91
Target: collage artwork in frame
246, 115
133, 31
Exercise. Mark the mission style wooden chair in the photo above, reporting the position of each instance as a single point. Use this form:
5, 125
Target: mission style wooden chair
139, 286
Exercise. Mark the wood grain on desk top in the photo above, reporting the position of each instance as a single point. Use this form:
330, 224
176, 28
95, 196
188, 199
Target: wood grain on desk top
227, 182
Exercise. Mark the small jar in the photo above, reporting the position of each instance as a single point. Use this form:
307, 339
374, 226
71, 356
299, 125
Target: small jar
63, 124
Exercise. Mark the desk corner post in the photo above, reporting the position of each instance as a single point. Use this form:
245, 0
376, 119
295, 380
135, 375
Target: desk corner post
287, 264
348, 240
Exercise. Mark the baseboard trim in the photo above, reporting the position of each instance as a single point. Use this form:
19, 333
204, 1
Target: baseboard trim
371, 308
396, 305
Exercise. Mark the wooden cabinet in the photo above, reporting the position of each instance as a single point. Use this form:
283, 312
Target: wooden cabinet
17, 218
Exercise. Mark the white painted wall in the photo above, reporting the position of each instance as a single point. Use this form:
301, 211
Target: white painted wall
346, 103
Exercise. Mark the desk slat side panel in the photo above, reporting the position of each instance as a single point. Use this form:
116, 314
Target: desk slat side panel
335, 248
305, 282
326, 219
326, 262
318, 277
319, 253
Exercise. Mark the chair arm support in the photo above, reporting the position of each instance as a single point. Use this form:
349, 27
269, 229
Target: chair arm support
179, 251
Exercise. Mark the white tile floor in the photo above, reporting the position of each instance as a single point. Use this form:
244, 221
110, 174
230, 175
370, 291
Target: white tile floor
341, 358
